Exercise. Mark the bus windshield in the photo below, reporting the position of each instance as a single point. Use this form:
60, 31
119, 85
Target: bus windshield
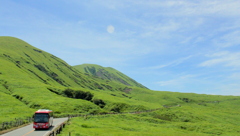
41, 117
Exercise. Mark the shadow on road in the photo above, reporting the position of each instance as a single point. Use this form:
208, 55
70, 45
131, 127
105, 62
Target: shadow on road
45, 129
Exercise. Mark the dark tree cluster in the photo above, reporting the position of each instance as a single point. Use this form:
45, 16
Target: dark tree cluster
78, 94
99, 102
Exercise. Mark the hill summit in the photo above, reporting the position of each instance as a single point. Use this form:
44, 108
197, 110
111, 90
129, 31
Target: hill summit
108, 73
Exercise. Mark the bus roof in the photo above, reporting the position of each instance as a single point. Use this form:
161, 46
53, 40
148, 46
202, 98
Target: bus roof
43, 111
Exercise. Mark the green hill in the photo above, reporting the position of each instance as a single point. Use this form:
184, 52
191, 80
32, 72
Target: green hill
40, 66
41, 80
32, 79
108, 73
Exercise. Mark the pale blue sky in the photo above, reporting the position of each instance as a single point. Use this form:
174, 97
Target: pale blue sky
178, 45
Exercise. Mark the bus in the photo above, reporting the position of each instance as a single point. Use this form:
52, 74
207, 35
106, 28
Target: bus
43, 119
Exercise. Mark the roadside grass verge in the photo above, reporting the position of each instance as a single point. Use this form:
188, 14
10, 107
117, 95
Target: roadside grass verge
12, 109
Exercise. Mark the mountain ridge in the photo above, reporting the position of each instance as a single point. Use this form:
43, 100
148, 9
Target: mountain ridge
108, 73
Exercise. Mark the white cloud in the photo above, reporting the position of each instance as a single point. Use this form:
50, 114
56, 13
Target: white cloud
224, 58
229, 89
159, 30
110, 29
179, 82
172, 82
228, 40
235, 76
173, 63
203, 7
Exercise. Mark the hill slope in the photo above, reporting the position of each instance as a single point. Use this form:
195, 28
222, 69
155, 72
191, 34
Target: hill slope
108, 73
28, 75
41, 80
40, 65
44, 67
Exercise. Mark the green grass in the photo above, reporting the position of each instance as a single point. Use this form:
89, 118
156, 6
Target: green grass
187, 120
11, 108
122, 125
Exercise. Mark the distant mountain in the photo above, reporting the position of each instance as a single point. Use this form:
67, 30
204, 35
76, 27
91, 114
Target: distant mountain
108, 73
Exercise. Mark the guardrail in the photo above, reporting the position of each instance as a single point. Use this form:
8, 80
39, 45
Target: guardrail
57, 130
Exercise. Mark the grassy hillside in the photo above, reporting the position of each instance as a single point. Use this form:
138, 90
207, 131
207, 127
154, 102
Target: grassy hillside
32, 79
108, 73
41, 80
42, 66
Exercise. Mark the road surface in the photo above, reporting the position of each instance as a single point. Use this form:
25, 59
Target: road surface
30, 131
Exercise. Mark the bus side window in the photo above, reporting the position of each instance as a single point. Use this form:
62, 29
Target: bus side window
33, 116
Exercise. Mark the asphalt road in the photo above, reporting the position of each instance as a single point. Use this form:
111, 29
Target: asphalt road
30, 131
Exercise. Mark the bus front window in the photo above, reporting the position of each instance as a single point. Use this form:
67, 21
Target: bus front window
41, 117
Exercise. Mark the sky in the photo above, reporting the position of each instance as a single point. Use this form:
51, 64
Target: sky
190, 46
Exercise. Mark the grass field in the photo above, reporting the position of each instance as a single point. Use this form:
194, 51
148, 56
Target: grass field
187, 120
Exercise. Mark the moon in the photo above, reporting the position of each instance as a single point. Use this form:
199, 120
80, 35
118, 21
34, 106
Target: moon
110, 29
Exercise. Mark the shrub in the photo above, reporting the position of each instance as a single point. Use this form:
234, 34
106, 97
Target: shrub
78, 94
99, 102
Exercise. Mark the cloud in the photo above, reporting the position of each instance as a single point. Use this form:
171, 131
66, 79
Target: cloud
160, 30
224, 58
229, 89
169, 82
203, 7
235, 76
173, 63
110, 29
229, 39
182, 83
